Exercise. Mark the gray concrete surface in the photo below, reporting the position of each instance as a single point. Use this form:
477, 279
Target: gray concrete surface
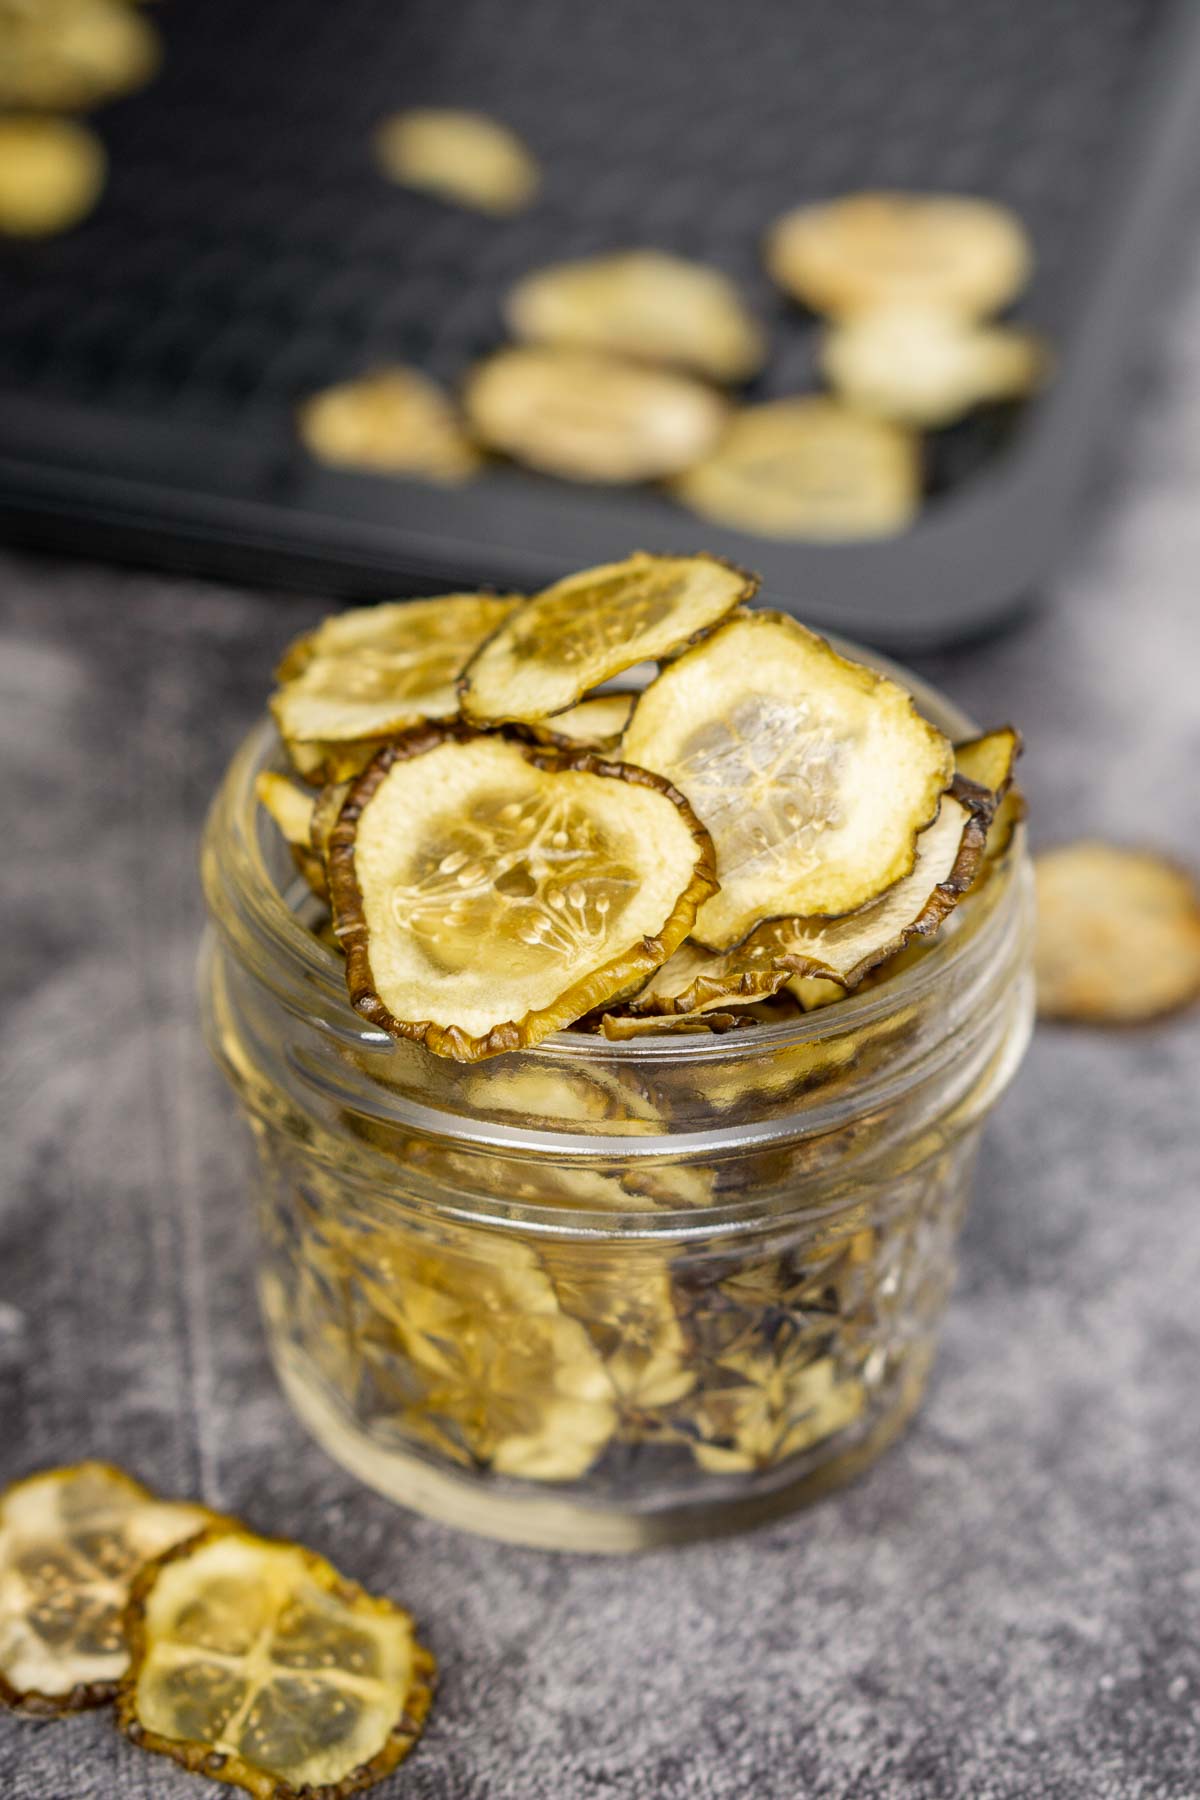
1008, 1608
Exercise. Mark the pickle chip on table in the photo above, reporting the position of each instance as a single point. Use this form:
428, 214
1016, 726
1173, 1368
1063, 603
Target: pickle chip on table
645, 305
1118, 934
590, 417
255, 1663
487, 892
868, 250
926, 367
71, 1542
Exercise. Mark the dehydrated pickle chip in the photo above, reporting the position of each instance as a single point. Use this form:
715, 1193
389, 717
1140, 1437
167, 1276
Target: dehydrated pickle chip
595, 724
294, 811
989, 761
643, 304
591, 626
64, 54
588, 417
843, 950
620, 1027
814, 775
873, 250
51, 174
807, 468
927, 367
392, 422
460, 156
71, 1542
628, 1312
1118, 934
487, 892
771, 1404
256, 1663
369, 673
697, 980
479, 1357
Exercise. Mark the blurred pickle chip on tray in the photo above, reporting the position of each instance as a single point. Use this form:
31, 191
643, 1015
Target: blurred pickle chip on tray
51, 175
460, 156
1118, 934
807, 468
72, 54
926, 367
590, 417
642, 304
868, 250
394, 421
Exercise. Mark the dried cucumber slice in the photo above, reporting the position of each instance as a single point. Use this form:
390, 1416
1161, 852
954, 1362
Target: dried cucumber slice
814, 775
1118, 934
461, 156
770, 1403
68, 54
825, 951
844, 950
293, 810
989, 761
71, 1542
643, 304
256, 1663
872, 250
569, 638
51, 174
477, 1357
620, 1027
807, 468
926, 367
595, 724
393, 421
488, 892
367, 674
588, 417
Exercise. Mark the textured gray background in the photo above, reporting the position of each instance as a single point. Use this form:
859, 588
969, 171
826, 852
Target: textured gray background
1008, 1607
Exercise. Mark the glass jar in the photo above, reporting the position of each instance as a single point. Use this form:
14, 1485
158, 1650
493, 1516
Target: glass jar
605, 1295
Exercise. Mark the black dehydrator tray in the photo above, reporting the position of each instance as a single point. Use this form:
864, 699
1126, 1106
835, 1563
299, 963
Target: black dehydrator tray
247, 252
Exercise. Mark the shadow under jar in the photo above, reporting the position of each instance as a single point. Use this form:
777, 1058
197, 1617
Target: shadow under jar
597, 1295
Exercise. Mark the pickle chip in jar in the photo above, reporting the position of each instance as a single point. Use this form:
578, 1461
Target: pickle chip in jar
697, 980
771, 1404
394, 421
68, 54
591, 626
1118, 934
927, 368
807, 468
621, 1027
594, 724
488, 892
51, 175
366, 674
256, 1663
814, 775
988, 761
868, 250
71, 1542
948, 855
588, 417
460, 156
293, 810
642, 304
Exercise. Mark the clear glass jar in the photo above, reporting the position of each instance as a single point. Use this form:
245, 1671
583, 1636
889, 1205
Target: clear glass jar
605, 1295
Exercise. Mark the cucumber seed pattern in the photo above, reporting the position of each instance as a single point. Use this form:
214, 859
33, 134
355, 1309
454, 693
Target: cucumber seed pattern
577, 627
765, 780
536, 874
